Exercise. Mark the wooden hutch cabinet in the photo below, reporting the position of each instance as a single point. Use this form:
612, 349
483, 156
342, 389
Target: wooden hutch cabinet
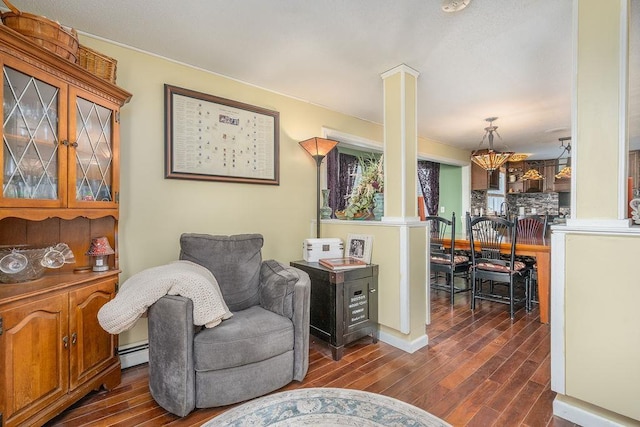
60, 183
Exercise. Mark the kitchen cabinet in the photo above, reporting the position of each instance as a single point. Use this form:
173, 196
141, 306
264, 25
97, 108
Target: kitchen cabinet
550, 171
53, 349
59, 170
515, 170
530, 185
483, 180
547, 168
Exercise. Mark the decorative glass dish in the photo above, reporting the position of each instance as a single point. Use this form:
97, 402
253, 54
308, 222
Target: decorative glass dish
23, 263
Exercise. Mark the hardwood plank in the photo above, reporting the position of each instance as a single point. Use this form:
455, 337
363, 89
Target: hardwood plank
479, 369
516, 412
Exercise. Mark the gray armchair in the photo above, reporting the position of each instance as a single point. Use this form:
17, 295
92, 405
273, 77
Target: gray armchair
261, 348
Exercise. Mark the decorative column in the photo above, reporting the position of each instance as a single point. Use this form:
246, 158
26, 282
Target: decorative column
400, 144
401, 205
599, 151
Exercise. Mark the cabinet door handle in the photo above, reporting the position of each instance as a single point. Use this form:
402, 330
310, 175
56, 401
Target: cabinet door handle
74, 338
373, 291
65, 142
65, 340
74, 144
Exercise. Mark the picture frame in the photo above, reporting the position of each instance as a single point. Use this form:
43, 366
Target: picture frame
209, 138
359, 246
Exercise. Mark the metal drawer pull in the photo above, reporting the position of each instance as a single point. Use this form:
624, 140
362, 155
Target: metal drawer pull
65, 340
74, 338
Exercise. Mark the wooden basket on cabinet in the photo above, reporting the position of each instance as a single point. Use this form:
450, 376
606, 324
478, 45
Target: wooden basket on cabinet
97, 63
44, 32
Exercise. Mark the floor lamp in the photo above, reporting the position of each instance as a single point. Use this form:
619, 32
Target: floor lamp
318, 148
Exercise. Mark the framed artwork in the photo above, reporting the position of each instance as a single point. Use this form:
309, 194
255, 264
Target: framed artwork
216, 139
359, 246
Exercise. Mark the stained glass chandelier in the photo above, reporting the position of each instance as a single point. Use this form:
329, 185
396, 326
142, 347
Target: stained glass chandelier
490, 159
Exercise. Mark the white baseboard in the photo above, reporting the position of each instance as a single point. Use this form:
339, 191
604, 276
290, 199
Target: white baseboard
581, 416
134, 354
408, 346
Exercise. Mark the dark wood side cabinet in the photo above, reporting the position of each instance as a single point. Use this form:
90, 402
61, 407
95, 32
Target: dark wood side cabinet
344, 304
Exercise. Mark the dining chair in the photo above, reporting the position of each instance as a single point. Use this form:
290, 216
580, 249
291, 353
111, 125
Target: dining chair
532, 229
487, 234
446, 260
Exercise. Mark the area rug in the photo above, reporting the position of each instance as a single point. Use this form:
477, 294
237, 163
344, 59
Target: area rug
324, 407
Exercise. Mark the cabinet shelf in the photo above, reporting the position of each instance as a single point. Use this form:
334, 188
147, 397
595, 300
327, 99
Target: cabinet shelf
40, 214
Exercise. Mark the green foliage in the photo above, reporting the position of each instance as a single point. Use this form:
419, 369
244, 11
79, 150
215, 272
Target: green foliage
371, 182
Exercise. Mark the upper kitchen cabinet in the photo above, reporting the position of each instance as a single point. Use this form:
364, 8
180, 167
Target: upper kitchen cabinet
546, 170
483, 180
515, 170
60, 136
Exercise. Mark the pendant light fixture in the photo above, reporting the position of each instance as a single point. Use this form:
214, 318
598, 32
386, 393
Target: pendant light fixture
532, 175
565, 172
490, 159
518, 157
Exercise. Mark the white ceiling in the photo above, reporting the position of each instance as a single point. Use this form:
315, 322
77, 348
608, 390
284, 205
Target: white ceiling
505, 58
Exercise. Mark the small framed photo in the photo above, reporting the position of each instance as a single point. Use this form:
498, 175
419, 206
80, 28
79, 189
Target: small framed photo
359, 246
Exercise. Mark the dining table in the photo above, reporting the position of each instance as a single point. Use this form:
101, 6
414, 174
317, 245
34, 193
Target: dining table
540, 249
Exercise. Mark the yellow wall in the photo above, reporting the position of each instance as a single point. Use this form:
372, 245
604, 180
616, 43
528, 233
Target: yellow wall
155, 211
393, 154
602, 326
598, 99
439, 151
597, 330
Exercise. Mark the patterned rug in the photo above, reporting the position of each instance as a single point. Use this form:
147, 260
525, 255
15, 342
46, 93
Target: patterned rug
324, 407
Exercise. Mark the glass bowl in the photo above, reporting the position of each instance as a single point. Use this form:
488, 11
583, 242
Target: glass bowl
23, 263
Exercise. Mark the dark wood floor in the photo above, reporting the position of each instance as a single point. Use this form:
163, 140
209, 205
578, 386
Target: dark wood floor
479, 369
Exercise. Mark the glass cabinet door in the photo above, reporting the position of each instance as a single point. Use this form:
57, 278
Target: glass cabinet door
30, 166
94, 159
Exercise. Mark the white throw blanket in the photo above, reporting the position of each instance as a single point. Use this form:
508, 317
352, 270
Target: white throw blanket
141, 290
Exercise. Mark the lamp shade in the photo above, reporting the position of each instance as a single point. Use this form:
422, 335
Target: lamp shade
100, 247
518, 157
318, 147
490, 160
532, 175
564, 173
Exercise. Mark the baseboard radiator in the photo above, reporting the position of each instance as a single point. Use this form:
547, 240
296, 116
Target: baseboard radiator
134, 354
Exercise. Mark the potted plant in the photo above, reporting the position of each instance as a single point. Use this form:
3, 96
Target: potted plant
361, 200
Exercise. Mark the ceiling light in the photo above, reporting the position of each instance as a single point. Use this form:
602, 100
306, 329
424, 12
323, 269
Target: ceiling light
532, 175
489, 159
454, 5
518, 157
566, 171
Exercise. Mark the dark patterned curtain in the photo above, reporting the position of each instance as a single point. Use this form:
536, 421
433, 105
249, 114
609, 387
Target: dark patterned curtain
341, 175
429, 178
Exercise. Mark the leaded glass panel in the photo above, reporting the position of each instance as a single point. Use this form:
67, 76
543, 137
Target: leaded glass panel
30, 137
94, 155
